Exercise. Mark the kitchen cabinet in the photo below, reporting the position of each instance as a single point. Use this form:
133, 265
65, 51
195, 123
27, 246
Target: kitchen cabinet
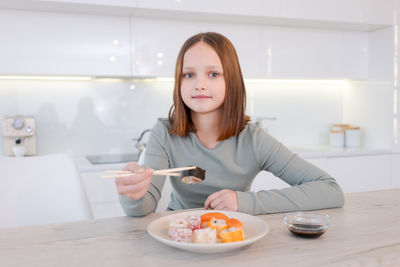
156, 46
42, 43
363, 173
142, 47
340, 11
314, 53
353, 11
102, 195
396, 171
107, 3
354, 174
266, 180
233, 7
377, 11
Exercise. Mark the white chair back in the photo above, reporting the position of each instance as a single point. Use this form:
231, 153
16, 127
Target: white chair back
41, 190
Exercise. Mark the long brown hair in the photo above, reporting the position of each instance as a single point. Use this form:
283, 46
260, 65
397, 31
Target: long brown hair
233, 119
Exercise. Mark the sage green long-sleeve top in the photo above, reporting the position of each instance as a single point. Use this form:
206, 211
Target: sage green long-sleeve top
233, 164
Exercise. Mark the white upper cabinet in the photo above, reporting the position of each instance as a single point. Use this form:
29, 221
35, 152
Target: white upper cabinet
124, 3
340, 14
314, 53
157, 44
377, 11
337, 10
63, 44
231, 7
353, 11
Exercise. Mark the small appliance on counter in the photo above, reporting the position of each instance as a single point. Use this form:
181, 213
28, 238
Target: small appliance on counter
19, 136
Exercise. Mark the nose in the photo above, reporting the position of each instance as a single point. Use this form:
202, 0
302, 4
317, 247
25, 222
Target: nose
200, 83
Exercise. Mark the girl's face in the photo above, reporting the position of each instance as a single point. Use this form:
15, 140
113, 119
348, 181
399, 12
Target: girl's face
203, 83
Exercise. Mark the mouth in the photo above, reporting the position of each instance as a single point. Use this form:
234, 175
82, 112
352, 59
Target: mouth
201, 97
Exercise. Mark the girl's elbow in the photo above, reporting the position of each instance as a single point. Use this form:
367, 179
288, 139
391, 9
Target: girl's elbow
338, 195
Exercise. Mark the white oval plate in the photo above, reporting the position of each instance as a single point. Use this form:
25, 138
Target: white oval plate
254, 229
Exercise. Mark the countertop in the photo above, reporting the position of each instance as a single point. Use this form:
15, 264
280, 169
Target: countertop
365, 232
311, 152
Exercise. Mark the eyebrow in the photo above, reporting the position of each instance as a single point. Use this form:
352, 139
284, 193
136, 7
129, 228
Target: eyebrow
207, 67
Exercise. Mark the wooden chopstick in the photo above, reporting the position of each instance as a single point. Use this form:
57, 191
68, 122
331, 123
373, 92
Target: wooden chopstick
177, 169
116, 175
156, 171
164, 172
160, 172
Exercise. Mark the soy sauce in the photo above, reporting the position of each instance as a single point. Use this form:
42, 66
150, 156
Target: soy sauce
307, 230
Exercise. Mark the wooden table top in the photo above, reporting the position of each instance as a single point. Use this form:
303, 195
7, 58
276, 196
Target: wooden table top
366, 232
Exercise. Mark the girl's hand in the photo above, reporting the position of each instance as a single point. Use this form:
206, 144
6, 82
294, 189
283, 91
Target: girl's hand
222, 200
134, 186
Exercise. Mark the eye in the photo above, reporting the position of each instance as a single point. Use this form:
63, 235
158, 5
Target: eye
213, 74
188, 75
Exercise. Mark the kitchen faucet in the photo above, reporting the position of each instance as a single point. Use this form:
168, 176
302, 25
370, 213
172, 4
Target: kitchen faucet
139, 145
261, 121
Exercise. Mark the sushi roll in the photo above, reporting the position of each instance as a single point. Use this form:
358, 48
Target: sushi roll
205, 236
218, 225
233, 222
206, 217
178, 222
232, 234
193, 222
181, 234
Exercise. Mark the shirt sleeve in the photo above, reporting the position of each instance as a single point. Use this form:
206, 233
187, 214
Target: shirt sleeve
156, 157
311, 188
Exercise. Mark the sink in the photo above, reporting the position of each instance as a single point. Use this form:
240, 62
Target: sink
110, 158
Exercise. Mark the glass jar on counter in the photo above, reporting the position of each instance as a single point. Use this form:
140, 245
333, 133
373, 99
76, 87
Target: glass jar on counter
340, 126
336, 138
352, 136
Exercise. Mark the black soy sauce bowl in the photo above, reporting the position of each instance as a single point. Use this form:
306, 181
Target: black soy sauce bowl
307, 224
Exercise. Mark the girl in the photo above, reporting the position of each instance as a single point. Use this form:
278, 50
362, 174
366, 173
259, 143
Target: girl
207, 127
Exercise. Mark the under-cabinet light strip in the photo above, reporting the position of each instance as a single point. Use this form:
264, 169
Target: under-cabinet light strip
57, 78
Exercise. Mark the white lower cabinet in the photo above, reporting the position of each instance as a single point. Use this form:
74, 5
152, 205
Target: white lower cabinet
266, 180
362, 173
396, 170
354, 174
106, 210
102, 195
